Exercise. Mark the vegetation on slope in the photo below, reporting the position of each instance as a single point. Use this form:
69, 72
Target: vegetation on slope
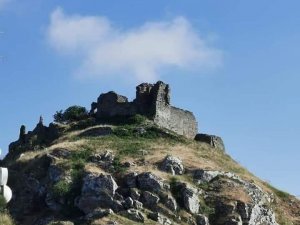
135, 140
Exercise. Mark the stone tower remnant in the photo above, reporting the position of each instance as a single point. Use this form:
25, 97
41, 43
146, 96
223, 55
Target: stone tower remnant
152, 101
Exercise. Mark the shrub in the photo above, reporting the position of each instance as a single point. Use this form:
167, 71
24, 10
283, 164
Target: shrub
137, 119
61, 188
71, 114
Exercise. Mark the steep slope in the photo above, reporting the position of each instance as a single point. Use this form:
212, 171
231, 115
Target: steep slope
133, 173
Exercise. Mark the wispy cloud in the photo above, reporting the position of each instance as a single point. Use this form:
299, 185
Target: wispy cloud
142, 52
3, 3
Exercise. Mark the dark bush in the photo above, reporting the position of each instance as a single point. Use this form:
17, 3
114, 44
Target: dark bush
71, 114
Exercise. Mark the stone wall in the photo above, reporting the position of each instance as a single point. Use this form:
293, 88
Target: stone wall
153, 101
111, 104
180, 121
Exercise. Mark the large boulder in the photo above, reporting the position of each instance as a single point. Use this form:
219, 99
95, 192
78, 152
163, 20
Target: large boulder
172, 165
98, 183
150, 182
97, 191
170, 203
149, 200
212, 140
204, 176
190, 199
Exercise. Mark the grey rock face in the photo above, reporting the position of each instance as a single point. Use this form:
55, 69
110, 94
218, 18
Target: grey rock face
172, 165
170, 203
159, 218
212, 140
190, 199
134, 215
128, 203
131, 180
98, 213
134, 193
256, 213
223, 208
55, 173
150, 200
149, 181
137, 204
201, 220
95, 184
203, 176
97, 191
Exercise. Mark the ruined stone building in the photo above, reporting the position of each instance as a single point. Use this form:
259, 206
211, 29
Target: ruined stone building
153, 101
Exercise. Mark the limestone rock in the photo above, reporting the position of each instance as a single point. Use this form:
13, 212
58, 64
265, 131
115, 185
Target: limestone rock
97, 191
170, 203
159, 218
172, 165
128, 203
203, 176
131, 180
201, 220
95, 184
212, 140
137, 204
150, 200
98, 213
134, 215
190, 199
134, 193
149, 181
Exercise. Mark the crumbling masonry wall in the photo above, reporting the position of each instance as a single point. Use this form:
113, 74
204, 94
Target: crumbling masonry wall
153, 101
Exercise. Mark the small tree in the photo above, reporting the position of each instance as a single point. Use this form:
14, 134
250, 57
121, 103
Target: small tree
73, 113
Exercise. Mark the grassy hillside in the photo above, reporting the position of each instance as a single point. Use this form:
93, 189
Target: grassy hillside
141, 145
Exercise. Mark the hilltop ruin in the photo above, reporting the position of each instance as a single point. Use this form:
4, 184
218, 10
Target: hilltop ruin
152, 101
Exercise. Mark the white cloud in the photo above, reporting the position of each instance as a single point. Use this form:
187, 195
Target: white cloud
140, 52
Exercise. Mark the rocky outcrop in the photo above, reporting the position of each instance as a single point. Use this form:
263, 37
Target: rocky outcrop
150, 200
97, 191
190, 199
214, 141
134, 215
172, 165
160, 219
149, 181
201, 220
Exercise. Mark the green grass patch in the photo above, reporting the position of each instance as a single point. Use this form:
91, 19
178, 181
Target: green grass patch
280, 194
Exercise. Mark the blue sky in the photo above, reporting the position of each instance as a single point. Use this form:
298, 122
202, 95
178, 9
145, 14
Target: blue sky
233, 63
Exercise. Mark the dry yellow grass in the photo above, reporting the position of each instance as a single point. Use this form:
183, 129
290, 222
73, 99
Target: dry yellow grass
6, 219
